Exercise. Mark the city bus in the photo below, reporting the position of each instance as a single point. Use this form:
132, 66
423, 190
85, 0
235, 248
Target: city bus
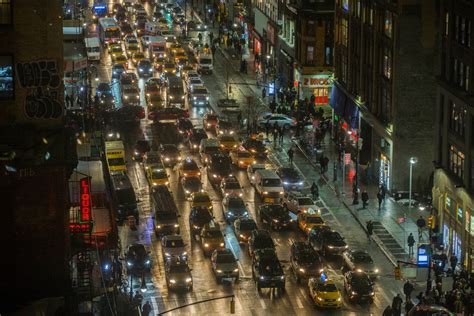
109, 31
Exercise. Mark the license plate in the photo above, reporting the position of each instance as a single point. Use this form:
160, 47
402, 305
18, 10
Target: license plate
268, 200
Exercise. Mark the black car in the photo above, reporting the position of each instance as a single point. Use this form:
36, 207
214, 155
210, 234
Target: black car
198, 218
170, 155
145, 68
184, 127
260, 239
138, 260
358, 287
140, 150
103, 88
126, 29
107, 101
275, 215
191, 185
255, 147
117, 71
224, 127
326, 240
304, 261
243, 228
195, 137
267, 271
218, 167
290, 178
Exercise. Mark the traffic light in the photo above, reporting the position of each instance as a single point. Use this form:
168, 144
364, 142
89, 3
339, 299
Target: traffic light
431, 222
397, 271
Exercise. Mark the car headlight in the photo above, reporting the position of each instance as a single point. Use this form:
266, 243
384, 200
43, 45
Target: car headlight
346, 246
167, 159
338, 299
196, 227
154, 183
129, 264
188, 280
275, 220
319, 299
182, 97
281, 193
206, 245
151, 69
219, 271
265, 193
235, 146
207, 98
376, 270
353, 293
194, 98
222, 244
176, 225
187, 191
285, 183
371, 293
138, 97
300, 183
147, 262
302, 270
214, 175
282, 277
262, 278
172, 281
236, 270
184, 253
167, 254
126, 97
140, 70
331, 247
245, 213
158, 226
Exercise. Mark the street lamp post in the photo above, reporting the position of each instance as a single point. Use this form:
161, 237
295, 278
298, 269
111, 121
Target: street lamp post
413, 160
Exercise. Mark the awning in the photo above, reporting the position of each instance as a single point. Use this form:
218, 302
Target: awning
344, 106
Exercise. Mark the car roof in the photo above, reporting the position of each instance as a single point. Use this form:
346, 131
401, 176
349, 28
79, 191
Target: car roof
173, 237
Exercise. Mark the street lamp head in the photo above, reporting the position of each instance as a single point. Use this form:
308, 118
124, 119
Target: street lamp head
413, 160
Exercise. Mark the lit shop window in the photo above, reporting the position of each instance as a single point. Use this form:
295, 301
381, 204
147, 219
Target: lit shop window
456, 161
388, 24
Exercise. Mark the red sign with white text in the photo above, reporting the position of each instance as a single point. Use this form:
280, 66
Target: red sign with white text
85, 200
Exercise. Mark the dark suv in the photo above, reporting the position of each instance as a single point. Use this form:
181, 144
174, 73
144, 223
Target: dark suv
267, 271
326, 240
304, 261
198, 218
290, 178
218, 167
260, 239
275, 215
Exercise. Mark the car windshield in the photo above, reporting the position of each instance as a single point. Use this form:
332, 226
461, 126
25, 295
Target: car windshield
362, 258
202, 198
166, 216
190, 166
236, 203
290, 174
326, 287
314, 220
272, 182
193, 182
227, 258
130, 90
152, 88
213, 234
271, 267
205, 61
174, 244
248, 225
225, 124
277, 210
361, 281
305, 201
179, 269
170, 149
244, 155
233, 185
159, 174
334, 236
227, 139
309, 256
211, 117
200, 90
203, 215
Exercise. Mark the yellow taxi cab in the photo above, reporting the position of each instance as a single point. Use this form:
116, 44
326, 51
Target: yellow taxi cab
152, 88
132, 49
324, 292
121, 60
138, 57
181, 58
242, 158
159, 62
211, 238
175, 48
115, 51
308, 220
201, 199
157, 176
169, 67
189, 168
227, 142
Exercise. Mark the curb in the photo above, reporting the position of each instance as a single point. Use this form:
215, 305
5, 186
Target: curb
375, 238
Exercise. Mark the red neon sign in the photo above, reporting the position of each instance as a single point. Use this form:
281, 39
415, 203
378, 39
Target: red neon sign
78, 228
85, 200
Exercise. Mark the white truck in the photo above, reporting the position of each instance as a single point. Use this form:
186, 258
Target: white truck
157, 47
204, 63
93, 48
152, 28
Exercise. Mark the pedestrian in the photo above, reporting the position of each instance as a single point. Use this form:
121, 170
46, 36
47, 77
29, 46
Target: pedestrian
458, 305
370, 229
397, 305
411, 243
67, 99
383, 191
146, 309
264, 93
281, 133
325, 163
387, 311
408, 289
453, 260
290, 155
137, 299
267, 128
200, 37
365, 198
421, 298
421, 223
380, 199
408, 306
314, 190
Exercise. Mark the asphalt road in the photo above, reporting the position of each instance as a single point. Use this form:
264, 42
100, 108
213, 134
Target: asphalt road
249, 301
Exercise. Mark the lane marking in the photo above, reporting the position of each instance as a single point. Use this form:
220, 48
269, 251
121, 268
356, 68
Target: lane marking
262, 303
298, 302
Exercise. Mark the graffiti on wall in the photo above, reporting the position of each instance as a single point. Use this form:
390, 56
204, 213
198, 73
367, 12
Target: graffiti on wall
41, 80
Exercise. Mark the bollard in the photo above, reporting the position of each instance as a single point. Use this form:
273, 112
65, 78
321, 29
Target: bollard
232, 306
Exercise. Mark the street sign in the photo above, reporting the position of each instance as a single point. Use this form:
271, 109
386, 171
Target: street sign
347, 158
423, 254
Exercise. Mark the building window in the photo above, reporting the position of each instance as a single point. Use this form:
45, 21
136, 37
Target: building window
456, 161
371, 16
310, 29
457, 119
358, 8
309, 55
344, 35
386, 102
328, 56
446, 24
387, 62
5, 12
388, 24
463, 30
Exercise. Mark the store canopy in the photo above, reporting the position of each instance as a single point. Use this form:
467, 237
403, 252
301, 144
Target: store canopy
344, 106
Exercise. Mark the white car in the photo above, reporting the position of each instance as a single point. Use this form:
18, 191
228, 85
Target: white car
194, 82
280, 119
190, 75
231, 186
360, 261
296, 202
224, 265
251, 171
173, 246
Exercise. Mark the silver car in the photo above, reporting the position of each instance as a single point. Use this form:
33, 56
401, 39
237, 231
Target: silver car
280, 119
296, 202
231, 186
360, 261
224, 265
172, 247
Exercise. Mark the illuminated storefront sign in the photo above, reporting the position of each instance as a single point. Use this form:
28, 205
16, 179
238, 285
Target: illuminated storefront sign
78, 228
85, 200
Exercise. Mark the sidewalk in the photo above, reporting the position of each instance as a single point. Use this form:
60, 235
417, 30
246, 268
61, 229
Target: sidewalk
390, 232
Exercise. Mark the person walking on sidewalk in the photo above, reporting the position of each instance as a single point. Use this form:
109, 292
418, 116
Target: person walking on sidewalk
281, 133
408, 306
453, 261
146, 309
421, 223
290, 155
370, 229
380, 199
387, 311
411, 243
408, 289
397, 305
314, 190
365, 199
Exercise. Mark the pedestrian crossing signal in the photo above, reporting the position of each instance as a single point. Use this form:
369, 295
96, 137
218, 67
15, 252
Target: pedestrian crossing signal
397, 271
